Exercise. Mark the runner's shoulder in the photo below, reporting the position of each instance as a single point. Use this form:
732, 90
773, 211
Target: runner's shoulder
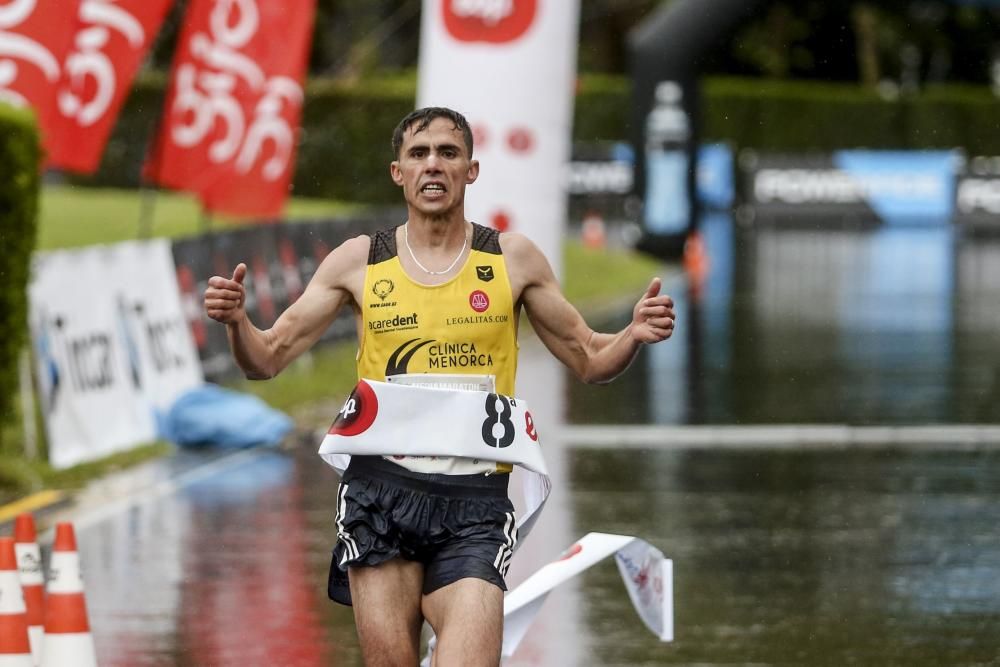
517, 246
522, 255
347, 259
352, 252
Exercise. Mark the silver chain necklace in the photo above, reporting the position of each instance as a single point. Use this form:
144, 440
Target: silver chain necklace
406, 240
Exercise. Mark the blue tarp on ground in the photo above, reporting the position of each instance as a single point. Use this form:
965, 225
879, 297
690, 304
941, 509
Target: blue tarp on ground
211, 415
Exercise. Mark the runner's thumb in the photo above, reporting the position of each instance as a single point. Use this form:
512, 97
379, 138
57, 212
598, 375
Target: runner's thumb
240, 272
653, 289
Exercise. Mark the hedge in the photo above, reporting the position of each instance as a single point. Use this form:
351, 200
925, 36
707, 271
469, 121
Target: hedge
20, 153
801, 117
344, 150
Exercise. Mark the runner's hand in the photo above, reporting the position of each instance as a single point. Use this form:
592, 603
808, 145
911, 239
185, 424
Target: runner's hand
653, 316
225, 298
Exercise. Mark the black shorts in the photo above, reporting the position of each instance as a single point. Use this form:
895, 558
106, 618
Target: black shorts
458, 526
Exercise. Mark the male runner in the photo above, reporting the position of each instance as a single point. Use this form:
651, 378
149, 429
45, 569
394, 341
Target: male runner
422, 537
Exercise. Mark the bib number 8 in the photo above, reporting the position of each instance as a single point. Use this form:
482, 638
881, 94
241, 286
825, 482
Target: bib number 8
498, 429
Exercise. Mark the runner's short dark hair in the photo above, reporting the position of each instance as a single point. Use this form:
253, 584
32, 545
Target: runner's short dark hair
421, 118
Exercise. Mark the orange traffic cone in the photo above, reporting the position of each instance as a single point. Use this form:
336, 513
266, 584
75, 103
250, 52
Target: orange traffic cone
15, 649
695, 257
29, 567
592, 230
68, 642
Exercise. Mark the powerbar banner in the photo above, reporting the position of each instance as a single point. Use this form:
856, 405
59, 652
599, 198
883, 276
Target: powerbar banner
112, 348
509, 67
110, 40
231, 122
890, 187
978, 197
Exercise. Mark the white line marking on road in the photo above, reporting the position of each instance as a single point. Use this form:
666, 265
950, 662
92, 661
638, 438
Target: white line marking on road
791, 436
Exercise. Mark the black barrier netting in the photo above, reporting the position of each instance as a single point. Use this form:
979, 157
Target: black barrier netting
281, 260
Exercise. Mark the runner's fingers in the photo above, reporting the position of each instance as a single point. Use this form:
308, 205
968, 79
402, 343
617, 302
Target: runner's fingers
661, 323
216, 293
224, 283
657, 311
658, 301
220, 304
660, 333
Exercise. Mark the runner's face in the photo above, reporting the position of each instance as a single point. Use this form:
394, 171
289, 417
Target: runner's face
434, 167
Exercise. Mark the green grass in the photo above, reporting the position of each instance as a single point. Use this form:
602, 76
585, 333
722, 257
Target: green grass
325, 373
74, 217
71, 217
594, 276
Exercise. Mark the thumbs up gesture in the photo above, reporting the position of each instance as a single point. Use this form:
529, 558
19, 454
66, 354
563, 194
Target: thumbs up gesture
653, 316
225, 297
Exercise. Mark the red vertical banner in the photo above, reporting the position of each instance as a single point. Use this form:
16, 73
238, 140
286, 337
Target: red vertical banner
111, 38
35, 36
232, 114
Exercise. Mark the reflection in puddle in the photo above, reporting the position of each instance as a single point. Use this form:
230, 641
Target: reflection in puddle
883, 326
801, 558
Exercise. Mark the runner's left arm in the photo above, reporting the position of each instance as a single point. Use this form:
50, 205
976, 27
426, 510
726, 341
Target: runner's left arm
594, 357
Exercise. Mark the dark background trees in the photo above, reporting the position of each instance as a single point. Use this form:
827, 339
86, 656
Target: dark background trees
900, 43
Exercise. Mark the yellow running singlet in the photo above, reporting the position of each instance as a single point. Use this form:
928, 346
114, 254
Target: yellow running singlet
463, 326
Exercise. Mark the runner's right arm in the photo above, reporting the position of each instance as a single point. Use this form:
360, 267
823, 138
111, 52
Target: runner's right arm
262, 354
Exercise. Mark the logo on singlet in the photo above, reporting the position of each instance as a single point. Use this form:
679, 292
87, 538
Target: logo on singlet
479, 301
358, 413
440, 356
484, 273
382, 289
397, 323
400, 358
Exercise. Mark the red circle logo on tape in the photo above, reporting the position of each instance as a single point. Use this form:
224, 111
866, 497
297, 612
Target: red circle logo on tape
358, 413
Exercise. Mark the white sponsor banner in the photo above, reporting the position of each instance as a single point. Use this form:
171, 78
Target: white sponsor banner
509, 66
112, 347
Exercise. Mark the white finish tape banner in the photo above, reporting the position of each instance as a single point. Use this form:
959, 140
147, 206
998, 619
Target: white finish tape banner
647, 575
509, 66
112, 347
386, 419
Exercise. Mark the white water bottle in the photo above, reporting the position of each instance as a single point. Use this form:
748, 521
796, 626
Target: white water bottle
667, 207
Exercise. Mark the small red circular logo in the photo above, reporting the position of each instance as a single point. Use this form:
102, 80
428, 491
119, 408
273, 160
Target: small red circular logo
358, 413
491, 21
480, 136
520, 140
500, 221
572, 551
479, 301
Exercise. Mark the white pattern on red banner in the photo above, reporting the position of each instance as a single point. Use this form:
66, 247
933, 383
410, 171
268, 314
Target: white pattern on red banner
34, 37
111, 40
235, 103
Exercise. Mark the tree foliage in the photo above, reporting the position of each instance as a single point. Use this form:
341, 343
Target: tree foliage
19, 181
